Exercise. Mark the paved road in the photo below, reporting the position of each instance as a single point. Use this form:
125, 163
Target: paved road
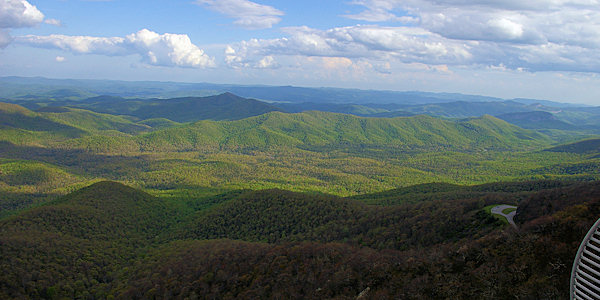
509, 217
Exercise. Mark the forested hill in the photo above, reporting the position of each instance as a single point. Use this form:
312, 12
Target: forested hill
109, 240
312, 130
225, 106
585, 146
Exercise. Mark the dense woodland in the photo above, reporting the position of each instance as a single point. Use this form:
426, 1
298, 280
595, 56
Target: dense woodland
109, 197
109, 240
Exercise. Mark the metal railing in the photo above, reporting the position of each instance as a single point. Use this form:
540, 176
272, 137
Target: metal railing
585, 275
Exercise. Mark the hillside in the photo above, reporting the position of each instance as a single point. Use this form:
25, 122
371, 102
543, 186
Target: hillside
276, 216
536, 120
464, 109
353, 109
262, 271
74, 245
312, 130
512, 192
104, 210
108, 240
52, 125
581, 147
16, 117
225, 106
93, 122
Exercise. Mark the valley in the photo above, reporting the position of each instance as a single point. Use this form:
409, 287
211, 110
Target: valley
220, 196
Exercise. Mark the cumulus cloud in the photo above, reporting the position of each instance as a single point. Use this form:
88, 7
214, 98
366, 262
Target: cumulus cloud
504, 21
414, 45
19, 13
155, 49
60, 59
375, 42
267, 62
242, 60
536, 35
247, 14
336, 62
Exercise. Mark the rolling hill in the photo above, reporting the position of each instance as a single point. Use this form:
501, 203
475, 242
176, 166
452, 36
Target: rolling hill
586, 146
231, 198
464, 109
109, 240
277, 216
73, 245
321, 129
92, 122
329, 129
225, 106
536, 120
52, 125
353, 109
16, 117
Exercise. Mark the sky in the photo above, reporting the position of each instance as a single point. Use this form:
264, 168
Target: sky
543, 49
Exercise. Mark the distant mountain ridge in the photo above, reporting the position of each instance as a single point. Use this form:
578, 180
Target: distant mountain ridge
226, 106
536, 120
192, 102
323, 129
62, 89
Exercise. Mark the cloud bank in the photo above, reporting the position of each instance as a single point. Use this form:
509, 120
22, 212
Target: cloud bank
16, 14
247, 14
19, 13
155, 49
373, 42
537, 35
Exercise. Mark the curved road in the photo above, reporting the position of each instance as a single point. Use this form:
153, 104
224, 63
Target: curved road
497, 210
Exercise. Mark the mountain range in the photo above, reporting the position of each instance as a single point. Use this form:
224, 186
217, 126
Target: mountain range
145, 190
109, 240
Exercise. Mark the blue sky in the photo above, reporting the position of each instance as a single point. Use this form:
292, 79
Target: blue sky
505, 48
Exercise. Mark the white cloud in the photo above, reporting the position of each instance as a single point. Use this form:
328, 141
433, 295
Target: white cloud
248, 14
374, 42
513, 21
5, 38
54, 22
236, 61
156, 49
483, 26
380, 11
168, 49
19, 13
60, 59
536, 35
414, 45
267, 62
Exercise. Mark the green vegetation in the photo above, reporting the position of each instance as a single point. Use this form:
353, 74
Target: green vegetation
307, 152
581, 147
508, 210
188, 109
488, 210
108, 240
317, 130
131, 202
536, 120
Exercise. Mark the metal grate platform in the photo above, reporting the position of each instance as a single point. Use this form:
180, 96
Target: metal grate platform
585, 276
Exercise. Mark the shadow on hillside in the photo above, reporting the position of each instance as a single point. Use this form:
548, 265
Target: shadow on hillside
13, 202
78, 161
